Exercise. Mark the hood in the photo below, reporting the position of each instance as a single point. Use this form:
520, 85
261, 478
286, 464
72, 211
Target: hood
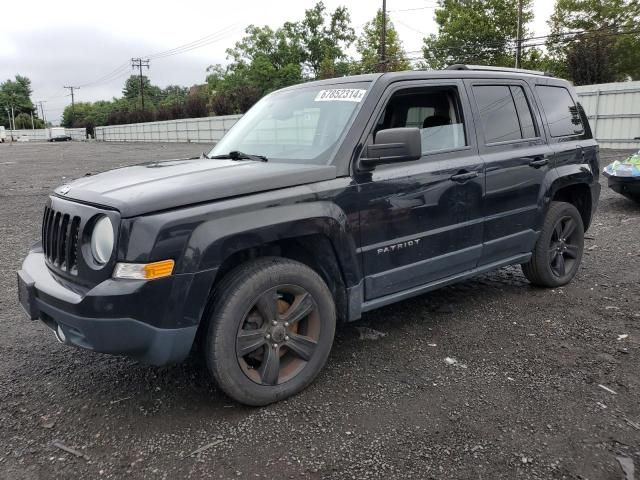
156, 186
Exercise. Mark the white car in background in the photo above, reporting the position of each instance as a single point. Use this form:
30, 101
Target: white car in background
3, 134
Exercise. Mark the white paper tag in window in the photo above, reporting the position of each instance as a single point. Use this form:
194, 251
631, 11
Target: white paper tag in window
341, 95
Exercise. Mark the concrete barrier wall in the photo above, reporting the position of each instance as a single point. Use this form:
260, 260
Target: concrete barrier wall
196, 130
44, 134
614, 113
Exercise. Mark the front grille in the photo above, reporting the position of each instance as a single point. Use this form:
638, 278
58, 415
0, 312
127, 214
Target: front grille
60, 239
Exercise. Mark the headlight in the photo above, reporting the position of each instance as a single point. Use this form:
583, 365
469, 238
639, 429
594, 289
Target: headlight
102, 240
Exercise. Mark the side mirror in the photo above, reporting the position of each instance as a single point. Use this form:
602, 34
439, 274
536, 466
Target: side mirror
393, 145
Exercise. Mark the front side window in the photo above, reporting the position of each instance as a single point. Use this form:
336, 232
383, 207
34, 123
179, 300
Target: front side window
561, 111
302, 125
436, 111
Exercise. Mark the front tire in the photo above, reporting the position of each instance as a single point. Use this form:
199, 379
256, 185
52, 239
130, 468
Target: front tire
558, 252
270, 331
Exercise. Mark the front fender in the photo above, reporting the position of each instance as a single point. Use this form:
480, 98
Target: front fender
215, 240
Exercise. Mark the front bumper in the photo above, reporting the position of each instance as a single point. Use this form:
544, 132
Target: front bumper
152, 321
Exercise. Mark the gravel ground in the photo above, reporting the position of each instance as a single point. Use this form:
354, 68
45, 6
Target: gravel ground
524, 400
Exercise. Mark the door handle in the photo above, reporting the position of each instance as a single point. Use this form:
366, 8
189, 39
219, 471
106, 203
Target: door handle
463, 176
539, 162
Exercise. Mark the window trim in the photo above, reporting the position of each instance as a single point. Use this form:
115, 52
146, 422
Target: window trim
572, 135
508, 85
528, 103
394, 87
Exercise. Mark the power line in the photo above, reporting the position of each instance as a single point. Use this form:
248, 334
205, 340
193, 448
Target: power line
199, 43
115, 73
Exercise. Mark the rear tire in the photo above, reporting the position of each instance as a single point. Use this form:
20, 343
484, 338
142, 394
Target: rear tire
558, 252
270, 331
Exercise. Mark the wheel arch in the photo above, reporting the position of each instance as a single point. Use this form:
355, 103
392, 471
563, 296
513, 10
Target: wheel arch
577, 194
323, 241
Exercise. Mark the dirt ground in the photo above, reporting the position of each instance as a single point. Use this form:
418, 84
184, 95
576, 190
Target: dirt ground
526, 398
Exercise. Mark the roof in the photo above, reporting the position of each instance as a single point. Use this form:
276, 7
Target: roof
471, 71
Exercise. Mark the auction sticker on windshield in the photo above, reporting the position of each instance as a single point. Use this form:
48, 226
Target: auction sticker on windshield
340, 95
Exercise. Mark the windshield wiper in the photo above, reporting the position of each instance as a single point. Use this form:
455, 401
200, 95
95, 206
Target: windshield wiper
236, 155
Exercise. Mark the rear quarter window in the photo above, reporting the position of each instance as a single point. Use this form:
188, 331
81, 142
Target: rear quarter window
561, 111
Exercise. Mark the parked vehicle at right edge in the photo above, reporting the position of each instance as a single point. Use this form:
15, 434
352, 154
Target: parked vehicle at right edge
624, 176
326, 200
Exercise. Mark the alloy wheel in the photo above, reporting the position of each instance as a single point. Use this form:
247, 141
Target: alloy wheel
564, 247
278, 335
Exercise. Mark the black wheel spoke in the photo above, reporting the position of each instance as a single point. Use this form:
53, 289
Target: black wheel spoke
558, 231
301, 346
301, 307
571, 251
559, 265
249, 341
270, 367
267, 306
569, 228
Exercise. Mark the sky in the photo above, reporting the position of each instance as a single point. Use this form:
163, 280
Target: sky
88, 44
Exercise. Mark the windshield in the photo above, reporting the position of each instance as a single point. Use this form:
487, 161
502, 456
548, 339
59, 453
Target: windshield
303, 125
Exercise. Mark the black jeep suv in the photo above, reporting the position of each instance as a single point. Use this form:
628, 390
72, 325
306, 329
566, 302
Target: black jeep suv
326, 200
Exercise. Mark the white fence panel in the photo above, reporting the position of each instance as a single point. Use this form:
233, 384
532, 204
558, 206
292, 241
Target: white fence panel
614, 113
195, 130
44, 134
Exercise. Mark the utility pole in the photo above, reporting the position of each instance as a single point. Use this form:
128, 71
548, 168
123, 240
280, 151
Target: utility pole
32, 124
42, 111
9, 112
383, 40
519, 34
73, 103
139, 63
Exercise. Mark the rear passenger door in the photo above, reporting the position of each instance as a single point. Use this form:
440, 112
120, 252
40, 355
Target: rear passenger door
517, 160
570, 141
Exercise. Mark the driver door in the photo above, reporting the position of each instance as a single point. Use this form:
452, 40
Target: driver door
421, 221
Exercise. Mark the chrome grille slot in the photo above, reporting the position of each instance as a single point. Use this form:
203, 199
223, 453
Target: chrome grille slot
60, 239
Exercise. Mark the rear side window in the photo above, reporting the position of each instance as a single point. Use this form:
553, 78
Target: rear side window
498, 114
561, 111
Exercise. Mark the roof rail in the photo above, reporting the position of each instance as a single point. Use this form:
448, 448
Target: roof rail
460, 66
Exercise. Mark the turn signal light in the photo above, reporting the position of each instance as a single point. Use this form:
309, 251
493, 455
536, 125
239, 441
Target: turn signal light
144, 271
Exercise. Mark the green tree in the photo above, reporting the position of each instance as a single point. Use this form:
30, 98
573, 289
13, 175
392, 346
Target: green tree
369, 46
610, 48
131, 91
324, 38
17, 94
475, 32
23, 120
266, 59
